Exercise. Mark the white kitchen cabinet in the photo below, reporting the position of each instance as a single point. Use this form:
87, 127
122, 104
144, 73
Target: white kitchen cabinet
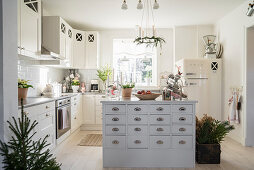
76, 112
44, 114
92, 50
79, 49
92, 112
56, 37
88, 109
29, 28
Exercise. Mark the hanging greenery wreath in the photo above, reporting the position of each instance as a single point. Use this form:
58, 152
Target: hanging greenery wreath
150, 41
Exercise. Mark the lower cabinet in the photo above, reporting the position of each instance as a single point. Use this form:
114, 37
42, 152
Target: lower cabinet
76, 112
44, 114
92, 112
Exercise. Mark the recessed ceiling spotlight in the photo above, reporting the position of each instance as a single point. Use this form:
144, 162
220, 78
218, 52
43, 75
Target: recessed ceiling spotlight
156, 5
140, 5
124, 5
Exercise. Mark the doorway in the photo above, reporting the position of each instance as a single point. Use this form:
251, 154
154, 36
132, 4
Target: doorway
249, 86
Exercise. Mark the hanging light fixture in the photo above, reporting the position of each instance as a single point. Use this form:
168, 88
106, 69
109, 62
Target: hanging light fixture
145, 35
140, 5
156, 5
124, 5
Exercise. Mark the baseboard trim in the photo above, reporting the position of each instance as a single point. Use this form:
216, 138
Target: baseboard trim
91, 127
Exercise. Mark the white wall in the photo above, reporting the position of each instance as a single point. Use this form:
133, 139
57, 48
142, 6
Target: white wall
231, 31
188, 42
8, 64
165, 57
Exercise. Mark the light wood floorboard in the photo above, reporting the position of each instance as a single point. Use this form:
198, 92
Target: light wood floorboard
73, 157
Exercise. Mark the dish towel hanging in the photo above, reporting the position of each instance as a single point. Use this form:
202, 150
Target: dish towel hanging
235, 105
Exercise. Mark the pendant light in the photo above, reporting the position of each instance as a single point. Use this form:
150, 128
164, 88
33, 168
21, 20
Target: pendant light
124, 5
140, 5
156, 5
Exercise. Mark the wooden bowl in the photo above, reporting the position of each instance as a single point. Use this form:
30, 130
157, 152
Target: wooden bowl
152, 96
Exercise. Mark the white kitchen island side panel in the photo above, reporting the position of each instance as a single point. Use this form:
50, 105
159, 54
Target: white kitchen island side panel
156, 134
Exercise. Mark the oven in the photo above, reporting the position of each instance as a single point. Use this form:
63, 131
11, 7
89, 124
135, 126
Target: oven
63, 116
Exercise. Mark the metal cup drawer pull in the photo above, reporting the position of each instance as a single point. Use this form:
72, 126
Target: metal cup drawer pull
182, 129
160, 129
159, 119
159, 142
159, 109
47, 107
182, 109
115, 109
137, 109
182, 142
115, 142
137, 119
137, 129
182, 118
137, 142
115, 119
115, 129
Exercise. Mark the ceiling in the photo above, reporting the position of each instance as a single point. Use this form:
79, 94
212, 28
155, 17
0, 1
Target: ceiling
107, 14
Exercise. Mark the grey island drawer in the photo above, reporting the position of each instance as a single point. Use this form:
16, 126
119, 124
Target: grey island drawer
115, 119
182, 109
160, 142
112, 109
137, 142
115, 142
115, 130
136, 109
157, 109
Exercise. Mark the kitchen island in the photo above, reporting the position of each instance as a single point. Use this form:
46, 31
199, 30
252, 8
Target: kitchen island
153, 133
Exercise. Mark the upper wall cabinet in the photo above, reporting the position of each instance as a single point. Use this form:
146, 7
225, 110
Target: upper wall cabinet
57, 37
79, 38
92, 50
29, 27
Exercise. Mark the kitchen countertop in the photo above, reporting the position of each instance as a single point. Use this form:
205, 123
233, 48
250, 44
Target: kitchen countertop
135, 100
32, 101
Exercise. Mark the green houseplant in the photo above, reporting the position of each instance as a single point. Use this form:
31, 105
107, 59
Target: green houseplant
104, 73
75, 85
127, 89
23, 88
21, 152
209, 134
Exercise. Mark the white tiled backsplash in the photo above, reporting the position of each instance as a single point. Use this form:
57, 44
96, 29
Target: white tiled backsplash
88, 75
39, 76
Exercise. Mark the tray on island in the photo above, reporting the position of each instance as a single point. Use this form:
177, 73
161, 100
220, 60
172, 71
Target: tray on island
151, 96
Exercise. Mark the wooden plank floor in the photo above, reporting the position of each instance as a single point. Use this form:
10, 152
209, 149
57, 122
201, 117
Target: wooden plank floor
74, 157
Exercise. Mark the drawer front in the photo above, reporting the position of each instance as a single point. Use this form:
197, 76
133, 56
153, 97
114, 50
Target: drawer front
160, 142
137, 119
115, 119
112, 109
159, 130
117, 142
185, 142
137, 142
74, 99
137, 130
160, 119
46, 120
182, 108
136, 109
166, 109
115, 130
182, 119
182, 129
39, 109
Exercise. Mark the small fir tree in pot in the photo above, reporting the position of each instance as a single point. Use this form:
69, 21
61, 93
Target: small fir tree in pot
21, 152
209, 134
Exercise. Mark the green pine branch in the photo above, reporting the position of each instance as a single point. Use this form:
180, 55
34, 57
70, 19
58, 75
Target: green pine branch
21, 152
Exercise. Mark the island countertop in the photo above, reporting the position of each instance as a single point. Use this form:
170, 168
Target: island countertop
135, 100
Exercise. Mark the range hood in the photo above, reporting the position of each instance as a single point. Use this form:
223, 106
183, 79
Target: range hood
47, 55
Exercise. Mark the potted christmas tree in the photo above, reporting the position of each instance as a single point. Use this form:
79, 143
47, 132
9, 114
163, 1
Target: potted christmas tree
209, 134
21, 152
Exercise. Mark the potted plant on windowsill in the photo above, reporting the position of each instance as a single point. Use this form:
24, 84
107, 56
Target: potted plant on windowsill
75, 85
209, 134
23, 88
127, 89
